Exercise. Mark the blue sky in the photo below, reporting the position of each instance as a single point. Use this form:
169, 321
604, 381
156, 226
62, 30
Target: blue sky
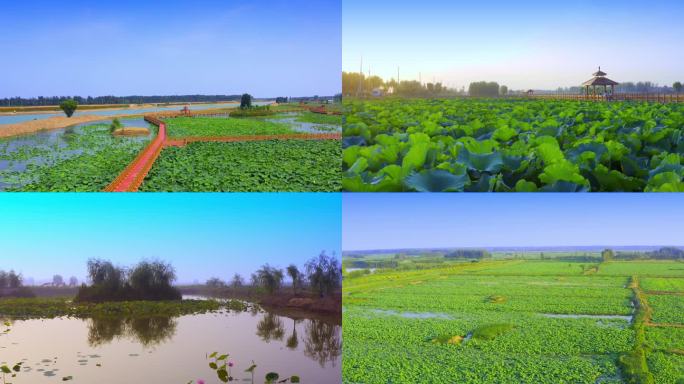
268, 48
524, 44
420, 220
202, 235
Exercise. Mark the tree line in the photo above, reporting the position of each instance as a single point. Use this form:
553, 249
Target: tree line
358, 84
468, 254
99, 100
664, 253
322, 275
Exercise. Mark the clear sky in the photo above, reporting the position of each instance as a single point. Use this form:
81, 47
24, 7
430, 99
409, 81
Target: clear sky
268, 48
202, 235
537, 44
424, 220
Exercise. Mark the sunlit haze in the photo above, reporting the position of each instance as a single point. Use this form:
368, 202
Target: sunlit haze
522, 44
403, 220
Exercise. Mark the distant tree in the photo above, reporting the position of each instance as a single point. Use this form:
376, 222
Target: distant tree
57, 280
677, 86
237, 281
73, 281
296, 277
246, 101
483, 89
68, 106
503, 90
281, 100
152, 276
607, 255
14, 280
324, 274
104, 273
4, 279
270, 278
215, 282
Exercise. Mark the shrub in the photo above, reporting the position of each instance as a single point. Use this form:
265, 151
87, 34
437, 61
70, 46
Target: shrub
69, 107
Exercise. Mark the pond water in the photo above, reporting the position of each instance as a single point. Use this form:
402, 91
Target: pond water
598, 317
300, 126
18, 153
173, 350
11, 119
413, 315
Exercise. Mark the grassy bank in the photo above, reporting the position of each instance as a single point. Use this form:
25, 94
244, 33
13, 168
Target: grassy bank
304, 301
56, 307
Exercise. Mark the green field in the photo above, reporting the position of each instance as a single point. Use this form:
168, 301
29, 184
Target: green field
512, 145
256, 166
513, 321
216, 126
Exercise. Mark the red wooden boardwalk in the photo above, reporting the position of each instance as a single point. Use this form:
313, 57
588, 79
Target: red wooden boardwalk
132, 177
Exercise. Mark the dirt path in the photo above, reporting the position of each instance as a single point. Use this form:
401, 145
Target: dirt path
57, 122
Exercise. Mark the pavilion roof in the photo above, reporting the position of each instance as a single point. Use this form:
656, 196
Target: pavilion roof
599, 80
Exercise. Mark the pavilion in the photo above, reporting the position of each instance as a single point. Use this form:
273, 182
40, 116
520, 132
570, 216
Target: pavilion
599, 79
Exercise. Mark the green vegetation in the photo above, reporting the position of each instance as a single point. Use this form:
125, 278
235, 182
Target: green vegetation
667, 308
149, 280
68, 106
59, 306
85, 159
512, 145
264, 110
511, 321
223, 367
273, 165
214, 126
116, 124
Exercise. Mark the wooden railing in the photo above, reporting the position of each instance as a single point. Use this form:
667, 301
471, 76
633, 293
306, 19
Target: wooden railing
648, 97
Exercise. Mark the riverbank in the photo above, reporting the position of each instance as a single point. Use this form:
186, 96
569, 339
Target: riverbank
50, 123
303, 301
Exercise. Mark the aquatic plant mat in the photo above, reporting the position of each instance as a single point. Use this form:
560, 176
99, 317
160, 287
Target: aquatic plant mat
515, 321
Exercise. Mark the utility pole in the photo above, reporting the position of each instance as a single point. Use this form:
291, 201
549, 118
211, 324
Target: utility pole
359, 90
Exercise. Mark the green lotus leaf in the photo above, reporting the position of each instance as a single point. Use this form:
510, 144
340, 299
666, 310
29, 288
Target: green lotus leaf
562, 171
436, 180
489, 162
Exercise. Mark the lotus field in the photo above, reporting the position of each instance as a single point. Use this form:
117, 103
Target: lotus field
512, 145
492, 322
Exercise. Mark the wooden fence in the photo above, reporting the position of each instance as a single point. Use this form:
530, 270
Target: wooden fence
648, 97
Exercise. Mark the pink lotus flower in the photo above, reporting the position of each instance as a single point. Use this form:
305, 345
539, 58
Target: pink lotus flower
200, 381
230, 363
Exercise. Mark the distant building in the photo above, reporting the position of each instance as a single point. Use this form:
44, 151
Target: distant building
378, 92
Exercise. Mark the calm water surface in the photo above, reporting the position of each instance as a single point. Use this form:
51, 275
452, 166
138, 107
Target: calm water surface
173, 350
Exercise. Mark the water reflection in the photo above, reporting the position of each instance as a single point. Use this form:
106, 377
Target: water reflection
293, 340
148, 331
322, 341
270, 327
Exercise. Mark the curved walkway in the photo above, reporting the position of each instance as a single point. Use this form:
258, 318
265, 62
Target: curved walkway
132, 177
